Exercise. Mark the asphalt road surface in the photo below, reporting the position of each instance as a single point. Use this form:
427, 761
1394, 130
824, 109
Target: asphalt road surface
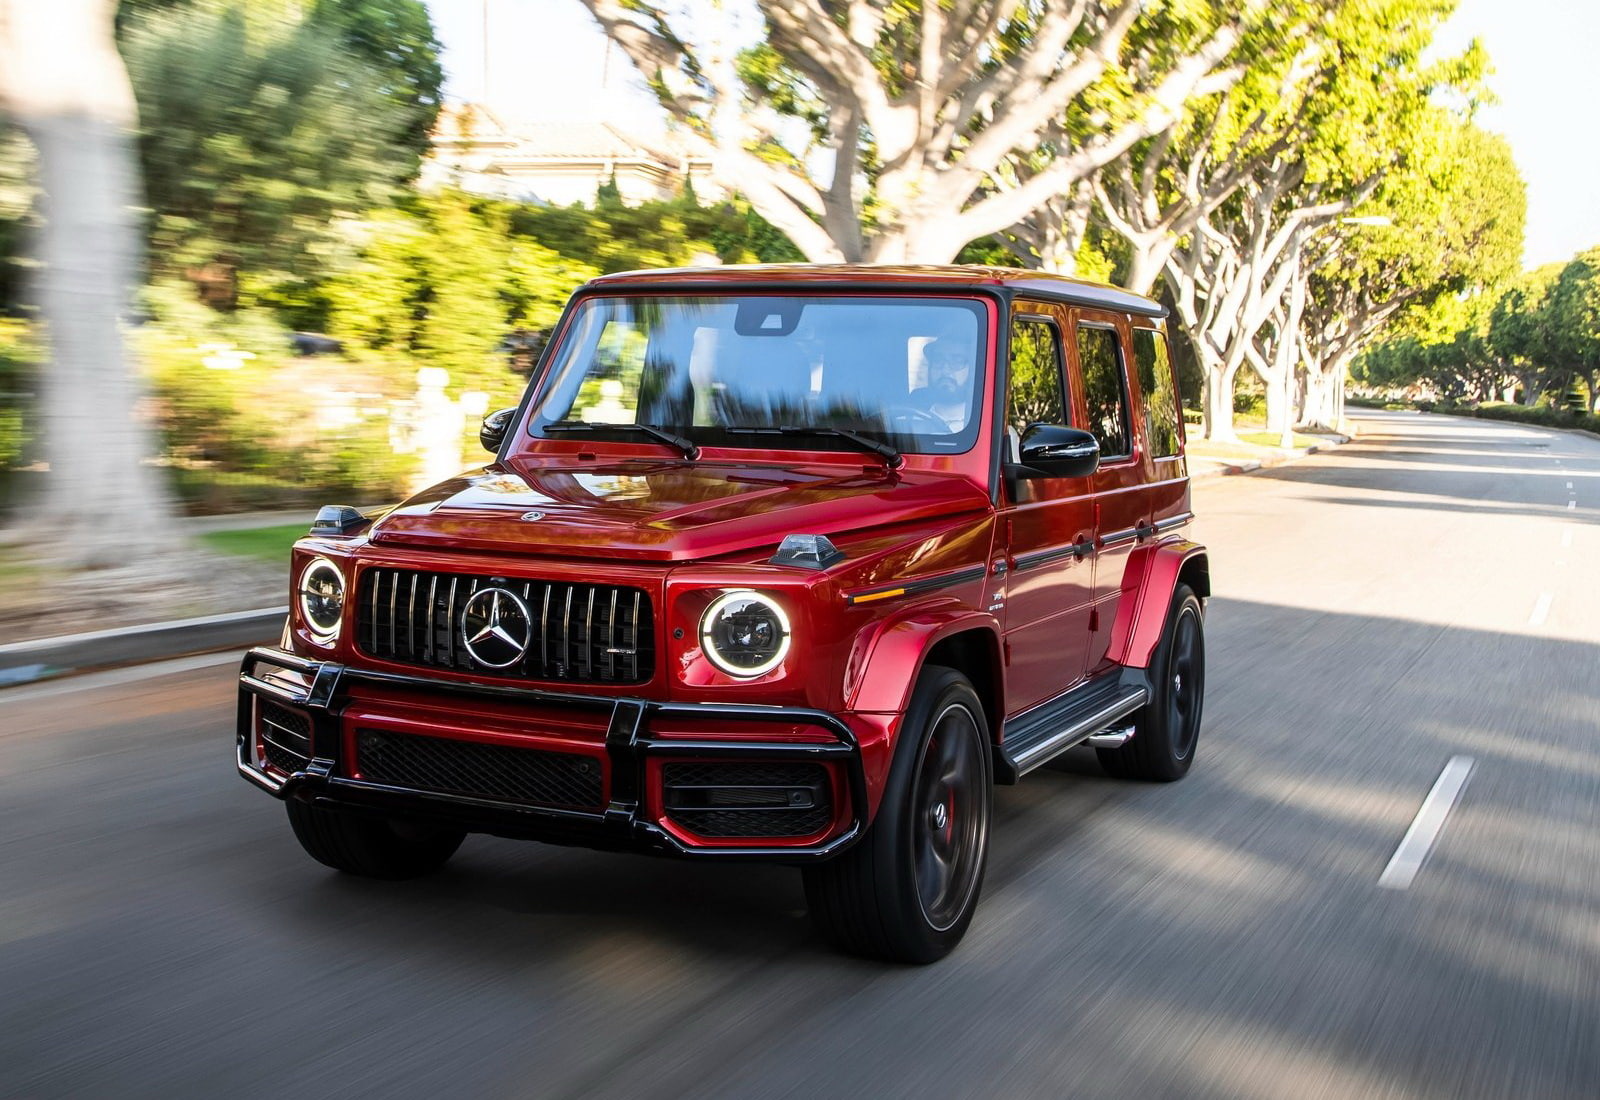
1426, 593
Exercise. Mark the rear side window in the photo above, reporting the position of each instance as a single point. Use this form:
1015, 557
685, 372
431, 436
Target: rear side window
1103, 390
1035, 376
1158, 391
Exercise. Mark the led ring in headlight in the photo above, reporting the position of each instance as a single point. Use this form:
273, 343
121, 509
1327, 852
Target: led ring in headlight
744, 633
321, 595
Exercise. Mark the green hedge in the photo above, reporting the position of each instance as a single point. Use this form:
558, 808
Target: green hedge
1542, 415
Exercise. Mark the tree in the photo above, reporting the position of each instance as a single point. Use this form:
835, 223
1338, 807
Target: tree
616, 237
890, 130
1233, 204
443, 283
1448, 220
1575, 320
396, 40
259, 134
17, 201
1520, 328
63, 84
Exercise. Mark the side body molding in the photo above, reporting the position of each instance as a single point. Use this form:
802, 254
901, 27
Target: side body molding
1153, 572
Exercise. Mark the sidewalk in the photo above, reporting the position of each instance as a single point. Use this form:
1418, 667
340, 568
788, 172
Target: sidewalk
256, 623
1207, 459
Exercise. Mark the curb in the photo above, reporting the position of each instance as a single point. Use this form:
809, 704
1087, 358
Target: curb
46, 658
1223, 468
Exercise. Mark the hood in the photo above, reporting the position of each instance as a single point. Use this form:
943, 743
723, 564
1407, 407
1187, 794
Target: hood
663, 512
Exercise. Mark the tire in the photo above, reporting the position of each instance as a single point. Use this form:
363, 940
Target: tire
372, 847
907, 890
1167, 729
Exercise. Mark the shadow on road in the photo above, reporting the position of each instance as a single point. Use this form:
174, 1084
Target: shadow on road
1222, 935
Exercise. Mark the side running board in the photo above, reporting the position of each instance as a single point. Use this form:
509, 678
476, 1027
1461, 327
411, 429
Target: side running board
1086, 713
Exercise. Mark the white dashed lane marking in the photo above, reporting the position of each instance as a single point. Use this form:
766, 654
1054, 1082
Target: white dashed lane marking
1541, 610
1426, 827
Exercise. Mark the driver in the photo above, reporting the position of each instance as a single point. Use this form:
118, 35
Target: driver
948, 394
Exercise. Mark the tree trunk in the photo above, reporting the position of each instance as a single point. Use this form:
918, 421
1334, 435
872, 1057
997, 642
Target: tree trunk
1322, 404
62, 81
1065, 229
1217, 402
1279, 409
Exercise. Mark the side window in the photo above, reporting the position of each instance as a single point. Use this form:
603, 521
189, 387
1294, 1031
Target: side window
1158, 390
1035, 376
1103, 390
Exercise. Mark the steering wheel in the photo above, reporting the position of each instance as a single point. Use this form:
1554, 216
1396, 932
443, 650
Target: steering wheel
912, 416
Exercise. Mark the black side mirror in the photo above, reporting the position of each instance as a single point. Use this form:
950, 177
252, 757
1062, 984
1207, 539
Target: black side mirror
495, 426
1053, 450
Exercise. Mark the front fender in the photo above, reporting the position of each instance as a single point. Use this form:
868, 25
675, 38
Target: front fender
885, 663
1147, 586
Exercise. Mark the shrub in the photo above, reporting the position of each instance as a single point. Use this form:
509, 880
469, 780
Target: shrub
244, 424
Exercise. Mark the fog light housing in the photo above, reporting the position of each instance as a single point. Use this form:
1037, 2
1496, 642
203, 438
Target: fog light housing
321, 599
744, 633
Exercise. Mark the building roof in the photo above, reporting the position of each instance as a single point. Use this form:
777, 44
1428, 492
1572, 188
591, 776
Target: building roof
942, 276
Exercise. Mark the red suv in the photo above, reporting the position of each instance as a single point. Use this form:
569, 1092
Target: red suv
782, 563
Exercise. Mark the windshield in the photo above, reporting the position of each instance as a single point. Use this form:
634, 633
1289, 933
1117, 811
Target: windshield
711, 367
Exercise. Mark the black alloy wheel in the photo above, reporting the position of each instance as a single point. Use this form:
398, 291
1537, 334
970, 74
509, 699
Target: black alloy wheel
949, 823
1167, 729
907, 891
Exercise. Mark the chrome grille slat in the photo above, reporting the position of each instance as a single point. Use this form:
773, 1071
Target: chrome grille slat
377, 583
433, 585
611, 639
577, 633
450, 624
633, 641
566, 633
587, 650
544, 633
411, 617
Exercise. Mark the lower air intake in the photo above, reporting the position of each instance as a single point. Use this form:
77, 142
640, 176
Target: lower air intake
748, 800
502, 772
283, 737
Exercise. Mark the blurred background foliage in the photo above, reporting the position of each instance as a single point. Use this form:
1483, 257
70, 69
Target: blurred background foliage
297, 279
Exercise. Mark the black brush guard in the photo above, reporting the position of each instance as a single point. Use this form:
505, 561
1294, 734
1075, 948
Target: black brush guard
621, 825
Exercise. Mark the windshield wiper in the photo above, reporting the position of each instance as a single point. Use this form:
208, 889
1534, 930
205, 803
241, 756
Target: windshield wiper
890, 455
690, 451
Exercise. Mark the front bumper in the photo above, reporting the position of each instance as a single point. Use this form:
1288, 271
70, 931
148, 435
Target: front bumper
321, 691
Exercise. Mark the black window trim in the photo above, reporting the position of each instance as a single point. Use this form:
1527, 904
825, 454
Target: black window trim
1122, 381
1062, 375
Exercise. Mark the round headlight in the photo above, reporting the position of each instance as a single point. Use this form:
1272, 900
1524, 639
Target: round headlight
744, 633
321, 594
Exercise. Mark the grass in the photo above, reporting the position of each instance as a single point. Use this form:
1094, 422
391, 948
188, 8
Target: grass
18, 575
266, 543
1272, 439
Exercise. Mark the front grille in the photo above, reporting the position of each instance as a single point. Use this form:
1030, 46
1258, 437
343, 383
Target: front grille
577, 633
503, 772
772, 800
285, 737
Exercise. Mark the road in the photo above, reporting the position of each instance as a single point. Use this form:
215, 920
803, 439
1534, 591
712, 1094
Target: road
1424, 593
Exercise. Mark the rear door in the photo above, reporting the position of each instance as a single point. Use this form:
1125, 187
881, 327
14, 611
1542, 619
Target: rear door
1048, 524
1121, 484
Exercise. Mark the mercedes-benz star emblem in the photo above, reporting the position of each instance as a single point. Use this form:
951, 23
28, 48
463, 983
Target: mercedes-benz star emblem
496, 627
532, 517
